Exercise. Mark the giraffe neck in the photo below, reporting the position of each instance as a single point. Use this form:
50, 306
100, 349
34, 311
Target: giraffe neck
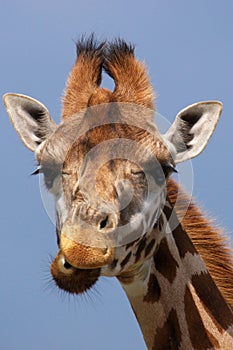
175, 300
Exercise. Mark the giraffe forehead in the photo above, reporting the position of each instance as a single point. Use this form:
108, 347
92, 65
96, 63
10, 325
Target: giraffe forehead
113, 142
97, 124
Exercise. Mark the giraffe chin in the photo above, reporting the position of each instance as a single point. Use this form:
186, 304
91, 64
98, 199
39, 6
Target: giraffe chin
71, 279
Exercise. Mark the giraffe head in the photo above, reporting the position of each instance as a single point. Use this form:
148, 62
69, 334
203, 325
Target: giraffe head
106, 163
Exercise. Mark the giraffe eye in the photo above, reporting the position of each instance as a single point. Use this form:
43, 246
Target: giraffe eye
103, 223
137, 172
49, 175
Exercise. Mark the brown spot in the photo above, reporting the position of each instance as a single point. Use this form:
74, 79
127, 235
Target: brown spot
126, 259
141, 247
213, 340
130, 244
183, 242
161, 223
114, 264
168, 337
165, 263
149, 247
154, 291
212, 299
197, 332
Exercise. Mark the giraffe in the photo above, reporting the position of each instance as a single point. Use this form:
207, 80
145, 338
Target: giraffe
118, 211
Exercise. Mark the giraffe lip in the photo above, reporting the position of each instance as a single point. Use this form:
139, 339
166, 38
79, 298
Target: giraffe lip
70, 279
79, 282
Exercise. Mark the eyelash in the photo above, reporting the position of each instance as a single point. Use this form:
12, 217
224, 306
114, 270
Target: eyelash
37, 171
168, 169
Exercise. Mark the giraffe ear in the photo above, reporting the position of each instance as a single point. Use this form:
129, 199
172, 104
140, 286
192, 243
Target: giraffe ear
30, 118
192, 129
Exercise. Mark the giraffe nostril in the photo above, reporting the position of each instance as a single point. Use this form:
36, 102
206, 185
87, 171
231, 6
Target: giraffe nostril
103, 223
66, 265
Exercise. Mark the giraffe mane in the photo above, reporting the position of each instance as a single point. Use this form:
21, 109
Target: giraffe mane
210, 241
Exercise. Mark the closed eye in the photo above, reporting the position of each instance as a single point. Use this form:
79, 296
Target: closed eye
49, 175
159, 172
167, 168
137, 172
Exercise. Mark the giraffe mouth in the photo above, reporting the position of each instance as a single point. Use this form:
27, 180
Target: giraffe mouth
71, 279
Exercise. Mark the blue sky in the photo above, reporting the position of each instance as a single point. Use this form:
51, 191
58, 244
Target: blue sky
188, 48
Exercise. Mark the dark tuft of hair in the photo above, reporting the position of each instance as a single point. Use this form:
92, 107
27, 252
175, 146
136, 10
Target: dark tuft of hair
88, 45
119, 47
115, 52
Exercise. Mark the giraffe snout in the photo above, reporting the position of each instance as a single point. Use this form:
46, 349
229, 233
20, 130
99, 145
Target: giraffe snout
84, 257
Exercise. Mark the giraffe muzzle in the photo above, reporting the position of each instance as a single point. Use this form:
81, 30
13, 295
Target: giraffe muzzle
84, 257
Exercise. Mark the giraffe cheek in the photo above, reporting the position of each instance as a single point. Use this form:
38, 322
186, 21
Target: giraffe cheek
84, 257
